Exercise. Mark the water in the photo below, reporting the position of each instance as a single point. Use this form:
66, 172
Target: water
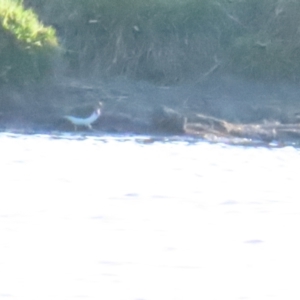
133, 218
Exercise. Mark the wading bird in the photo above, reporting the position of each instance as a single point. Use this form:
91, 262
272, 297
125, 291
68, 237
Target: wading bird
85, 122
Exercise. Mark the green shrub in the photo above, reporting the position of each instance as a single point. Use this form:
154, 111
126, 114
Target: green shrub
27, 47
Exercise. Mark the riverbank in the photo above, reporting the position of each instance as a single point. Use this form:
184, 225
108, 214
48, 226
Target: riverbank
222, 107
159, 67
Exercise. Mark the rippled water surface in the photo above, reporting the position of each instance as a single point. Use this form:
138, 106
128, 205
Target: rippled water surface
136, 218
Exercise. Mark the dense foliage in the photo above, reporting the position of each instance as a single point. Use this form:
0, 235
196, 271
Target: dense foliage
27, 47
175, 40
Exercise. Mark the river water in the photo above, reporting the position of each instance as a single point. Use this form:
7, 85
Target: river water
140, 218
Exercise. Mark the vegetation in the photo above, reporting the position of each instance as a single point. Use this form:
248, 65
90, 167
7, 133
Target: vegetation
164, 41
27, 47
268, 45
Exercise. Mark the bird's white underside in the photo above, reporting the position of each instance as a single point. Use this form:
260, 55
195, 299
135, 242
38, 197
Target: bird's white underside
84, 121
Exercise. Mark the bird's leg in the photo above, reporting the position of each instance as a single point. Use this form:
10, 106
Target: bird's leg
90, 127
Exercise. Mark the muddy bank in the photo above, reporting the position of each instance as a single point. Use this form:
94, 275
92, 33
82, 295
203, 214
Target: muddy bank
224, 106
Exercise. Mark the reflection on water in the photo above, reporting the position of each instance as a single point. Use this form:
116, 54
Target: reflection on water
138, 218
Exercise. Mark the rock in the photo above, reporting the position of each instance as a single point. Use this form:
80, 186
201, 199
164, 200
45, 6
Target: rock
121, 123
167, 120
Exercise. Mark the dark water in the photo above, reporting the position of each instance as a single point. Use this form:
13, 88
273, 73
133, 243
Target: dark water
134, 218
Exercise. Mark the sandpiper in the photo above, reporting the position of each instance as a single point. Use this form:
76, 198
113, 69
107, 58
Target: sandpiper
87, 122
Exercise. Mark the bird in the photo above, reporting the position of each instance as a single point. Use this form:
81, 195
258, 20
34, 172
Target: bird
85, 122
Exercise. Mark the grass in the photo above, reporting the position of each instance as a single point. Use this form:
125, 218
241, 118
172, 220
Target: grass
169, 41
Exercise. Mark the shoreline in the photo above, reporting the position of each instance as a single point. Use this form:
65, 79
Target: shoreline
222, 108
